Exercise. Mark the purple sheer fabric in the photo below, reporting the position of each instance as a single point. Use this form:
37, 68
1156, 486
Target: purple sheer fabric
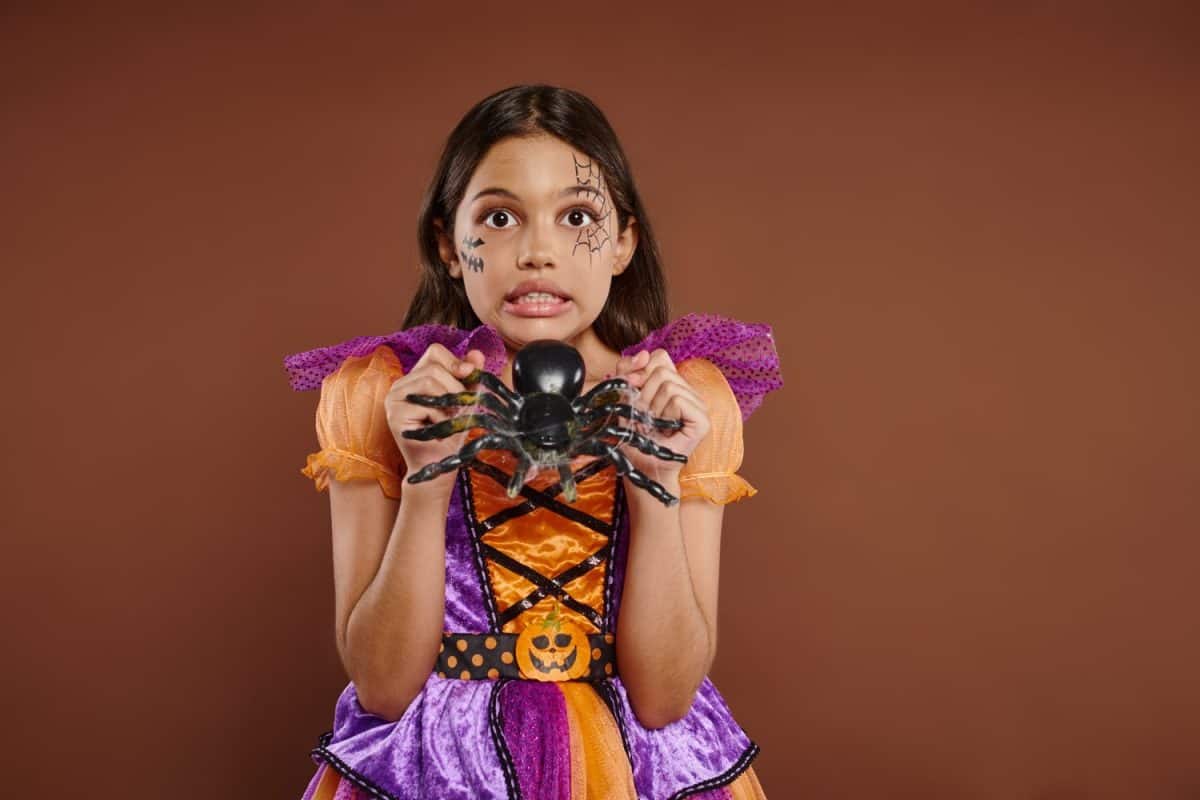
306, 370
446, 743
744, 352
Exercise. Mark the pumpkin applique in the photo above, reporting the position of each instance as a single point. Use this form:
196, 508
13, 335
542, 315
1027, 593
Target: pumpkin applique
553, 649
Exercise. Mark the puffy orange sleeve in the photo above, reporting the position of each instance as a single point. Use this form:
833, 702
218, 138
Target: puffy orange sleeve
352, 428
711, 469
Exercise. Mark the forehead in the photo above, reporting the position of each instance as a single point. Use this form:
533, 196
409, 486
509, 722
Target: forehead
534, 169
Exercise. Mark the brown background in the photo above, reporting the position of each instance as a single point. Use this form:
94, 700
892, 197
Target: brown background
970, 572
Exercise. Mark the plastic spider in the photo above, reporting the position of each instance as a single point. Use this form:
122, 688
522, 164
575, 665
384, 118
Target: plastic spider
545, 422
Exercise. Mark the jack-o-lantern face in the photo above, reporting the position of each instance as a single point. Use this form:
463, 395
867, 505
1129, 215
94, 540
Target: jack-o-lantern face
553, 650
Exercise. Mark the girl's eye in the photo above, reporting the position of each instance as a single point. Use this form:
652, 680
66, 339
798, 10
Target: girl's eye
575, 213
500, 214
500, 218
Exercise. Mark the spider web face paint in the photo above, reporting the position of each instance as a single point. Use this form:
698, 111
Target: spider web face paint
591, 181
472, 262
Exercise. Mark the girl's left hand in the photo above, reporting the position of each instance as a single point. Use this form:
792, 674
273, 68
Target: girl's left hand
664, 393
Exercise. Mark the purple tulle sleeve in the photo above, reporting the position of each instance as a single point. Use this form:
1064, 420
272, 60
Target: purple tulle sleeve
306, 370
743, 351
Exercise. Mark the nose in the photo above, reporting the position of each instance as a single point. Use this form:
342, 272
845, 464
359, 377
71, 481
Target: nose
537, 246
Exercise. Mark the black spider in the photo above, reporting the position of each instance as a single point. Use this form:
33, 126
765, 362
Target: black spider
546, 421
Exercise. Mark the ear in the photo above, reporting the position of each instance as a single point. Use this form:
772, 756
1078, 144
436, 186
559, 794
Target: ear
626, 246
447, 250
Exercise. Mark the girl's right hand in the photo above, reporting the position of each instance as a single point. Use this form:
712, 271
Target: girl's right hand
437, 372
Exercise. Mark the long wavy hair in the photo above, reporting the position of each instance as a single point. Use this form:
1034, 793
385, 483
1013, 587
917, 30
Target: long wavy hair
637, 299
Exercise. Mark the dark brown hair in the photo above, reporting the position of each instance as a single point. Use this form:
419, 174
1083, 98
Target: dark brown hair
637, 300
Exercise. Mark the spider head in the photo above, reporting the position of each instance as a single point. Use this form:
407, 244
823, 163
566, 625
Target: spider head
548, 366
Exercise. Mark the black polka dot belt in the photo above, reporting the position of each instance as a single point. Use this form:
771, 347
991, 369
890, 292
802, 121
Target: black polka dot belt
561, 653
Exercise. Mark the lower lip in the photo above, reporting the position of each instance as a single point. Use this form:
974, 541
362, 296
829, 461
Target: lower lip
539, 309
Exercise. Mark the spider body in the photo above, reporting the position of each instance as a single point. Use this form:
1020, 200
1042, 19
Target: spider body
545, 421
548, 420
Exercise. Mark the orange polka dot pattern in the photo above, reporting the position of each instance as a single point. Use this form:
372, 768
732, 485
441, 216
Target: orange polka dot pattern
489, 656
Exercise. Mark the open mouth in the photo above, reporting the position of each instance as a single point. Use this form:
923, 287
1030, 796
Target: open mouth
536, 304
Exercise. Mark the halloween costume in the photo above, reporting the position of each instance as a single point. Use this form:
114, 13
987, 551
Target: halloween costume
504, 713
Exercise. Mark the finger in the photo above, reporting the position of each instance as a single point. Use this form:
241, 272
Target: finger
667, 392
477, 358
684, 408
444, 380
655, 380
437, 355
659, 357
429, 382
628, 364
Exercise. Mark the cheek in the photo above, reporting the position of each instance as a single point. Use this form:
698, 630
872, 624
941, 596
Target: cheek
597, 282
483, 296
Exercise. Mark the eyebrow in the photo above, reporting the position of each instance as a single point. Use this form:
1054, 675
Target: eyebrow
502, 192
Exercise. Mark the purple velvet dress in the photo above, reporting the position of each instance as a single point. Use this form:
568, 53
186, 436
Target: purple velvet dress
505, 738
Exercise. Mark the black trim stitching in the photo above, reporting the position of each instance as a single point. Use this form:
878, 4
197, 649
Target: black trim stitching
608, 694
724, 779
611, 566
348, 772
506, 763
481, 571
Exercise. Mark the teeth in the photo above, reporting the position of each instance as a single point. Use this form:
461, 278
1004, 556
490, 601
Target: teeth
537, 297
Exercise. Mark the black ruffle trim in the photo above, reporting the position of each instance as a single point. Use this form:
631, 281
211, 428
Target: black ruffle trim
347, 771
724, 779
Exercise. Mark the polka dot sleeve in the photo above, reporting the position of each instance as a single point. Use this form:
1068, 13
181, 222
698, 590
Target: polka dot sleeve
711, 469
352, 429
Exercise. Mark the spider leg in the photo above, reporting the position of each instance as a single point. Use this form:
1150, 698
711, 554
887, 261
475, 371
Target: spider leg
492, 382
624, 467
629, 412
613, 385
567, 479
449, 427
495, 441
444, 400
644, 444
524, 462
489, 401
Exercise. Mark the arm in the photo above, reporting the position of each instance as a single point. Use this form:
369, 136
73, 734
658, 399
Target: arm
389, 571
667, 628
388, 546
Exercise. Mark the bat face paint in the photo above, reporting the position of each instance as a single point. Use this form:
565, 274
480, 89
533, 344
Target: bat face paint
544, 211
472, 262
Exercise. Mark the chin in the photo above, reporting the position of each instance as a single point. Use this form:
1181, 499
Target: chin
528, 329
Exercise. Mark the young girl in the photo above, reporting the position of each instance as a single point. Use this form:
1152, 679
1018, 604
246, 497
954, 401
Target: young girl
451, 597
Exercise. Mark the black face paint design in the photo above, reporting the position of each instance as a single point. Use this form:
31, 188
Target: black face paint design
591, 182
472, 262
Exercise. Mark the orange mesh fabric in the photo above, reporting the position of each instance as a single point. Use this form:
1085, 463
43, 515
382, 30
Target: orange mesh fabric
599, 766
352, 428
711, 468
746, 787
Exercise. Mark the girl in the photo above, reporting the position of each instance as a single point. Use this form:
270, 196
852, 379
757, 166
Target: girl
452, 598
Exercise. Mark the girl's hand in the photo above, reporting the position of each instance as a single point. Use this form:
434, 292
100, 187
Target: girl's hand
437, 372
665, 394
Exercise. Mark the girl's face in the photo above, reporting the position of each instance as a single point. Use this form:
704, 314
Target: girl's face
537, 245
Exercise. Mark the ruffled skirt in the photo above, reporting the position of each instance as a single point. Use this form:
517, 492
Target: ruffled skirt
555, 741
